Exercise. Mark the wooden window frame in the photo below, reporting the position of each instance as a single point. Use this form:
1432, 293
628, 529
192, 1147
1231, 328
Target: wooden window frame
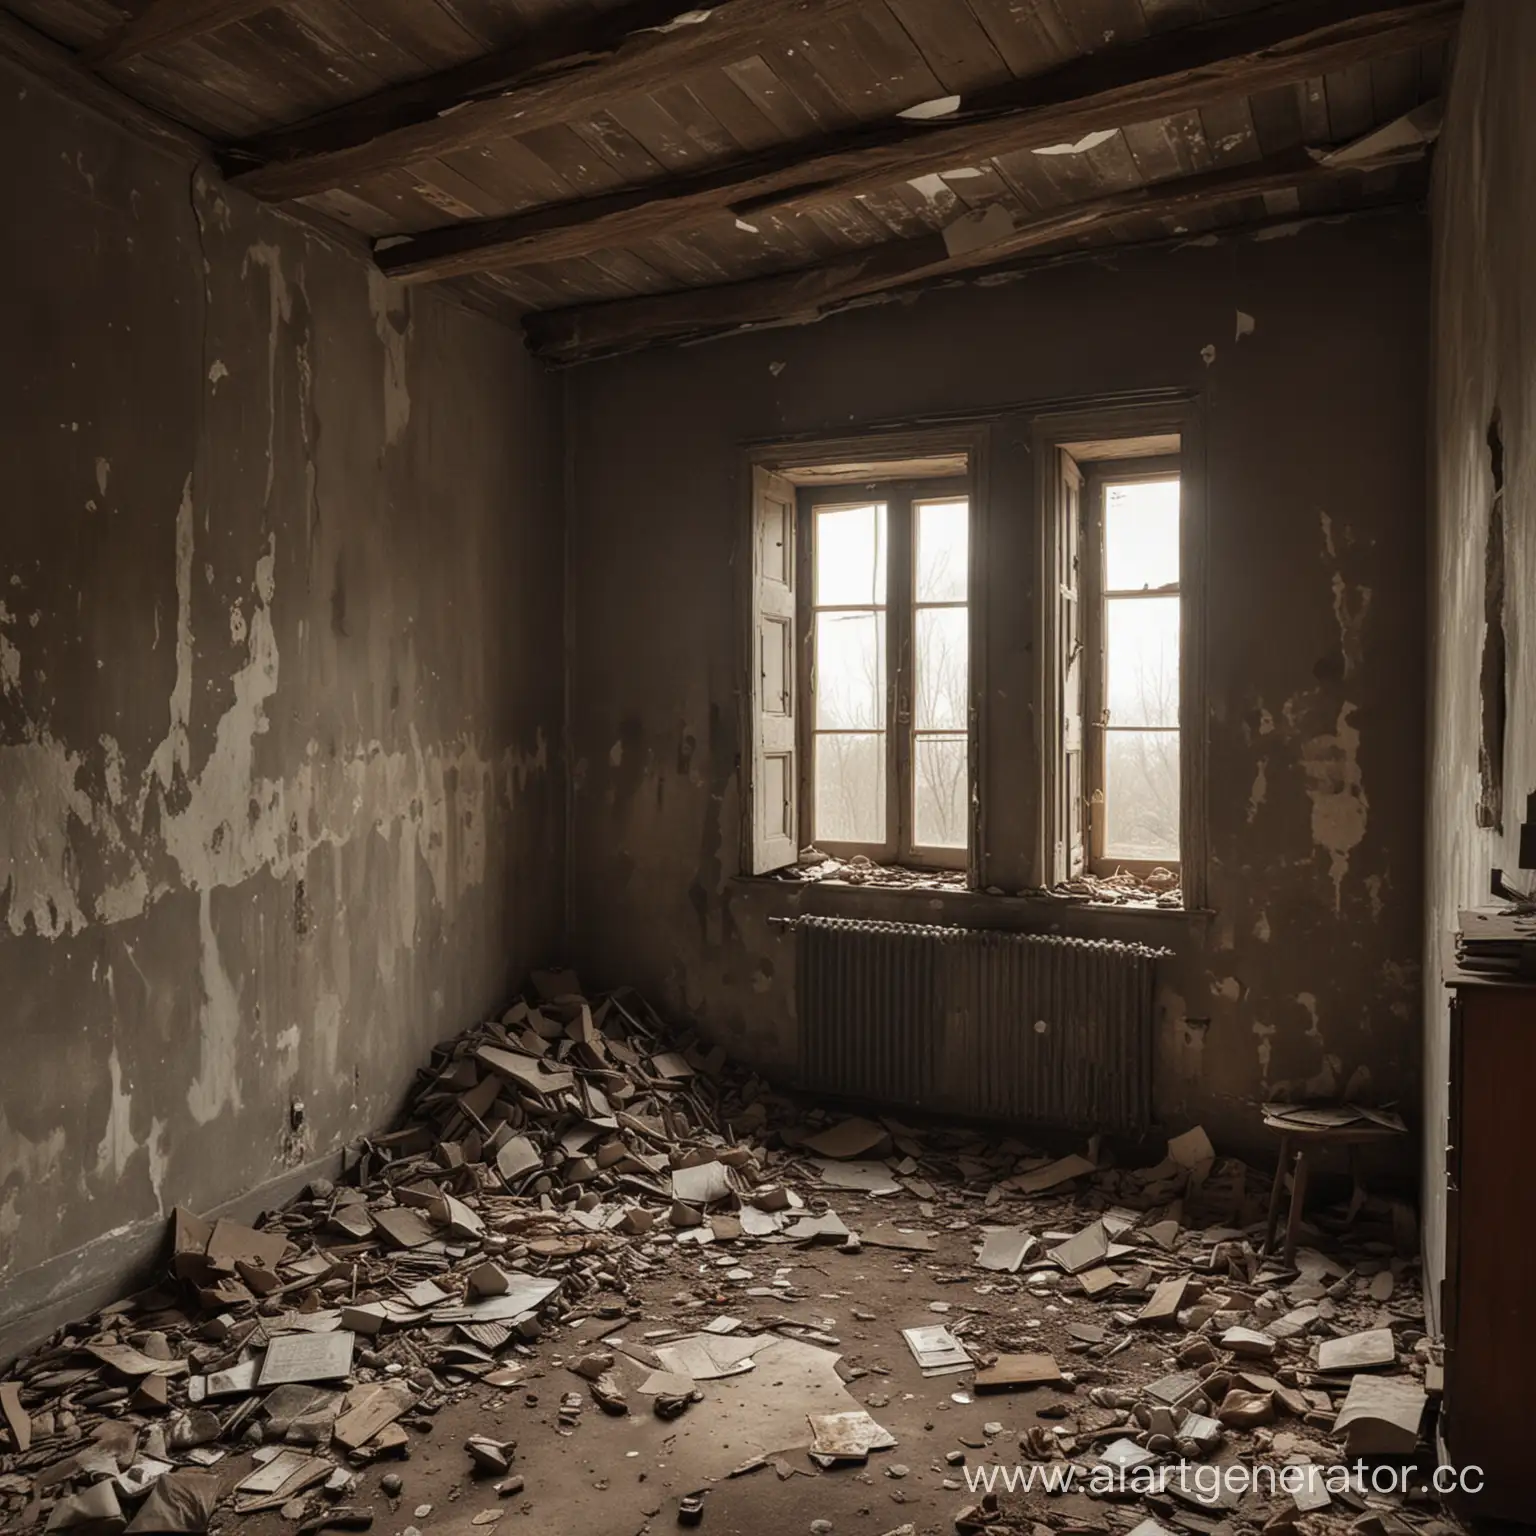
900, 497
1098, 476
1112, 432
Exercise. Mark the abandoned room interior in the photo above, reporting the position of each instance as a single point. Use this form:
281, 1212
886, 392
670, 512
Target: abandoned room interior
767, 765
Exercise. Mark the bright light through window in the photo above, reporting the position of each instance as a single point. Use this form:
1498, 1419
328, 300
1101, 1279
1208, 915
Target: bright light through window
849, 750
1141, 670
941, 645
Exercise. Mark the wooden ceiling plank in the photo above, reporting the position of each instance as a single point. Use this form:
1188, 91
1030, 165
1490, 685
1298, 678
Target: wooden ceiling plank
1312, 103
666, 140
438, 39
353, 211
596, 331
1276, 119
734, 110
1230, 132
826, 103
555, 74
954, 43
1028, 41
1432, 62
582, 166
1168, 147
1165, 75
757, 80
166, 23
278, 65
1160, 15
513, 176
204, 99
1350, 110
902, 74
632, 269
621, 150
1100, 23
1394, 85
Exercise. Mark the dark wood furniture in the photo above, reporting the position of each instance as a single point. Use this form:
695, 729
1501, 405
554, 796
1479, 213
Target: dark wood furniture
1488, 1299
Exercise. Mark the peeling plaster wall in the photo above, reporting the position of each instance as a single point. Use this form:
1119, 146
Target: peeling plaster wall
1308, 351
280, 554
1484, 221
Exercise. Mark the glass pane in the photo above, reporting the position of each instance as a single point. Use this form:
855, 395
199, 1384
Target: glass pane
850, 671
939, 785
1142, 661
1141, 535
1141, 795
943, 542
851, 555
850, 789
942, 673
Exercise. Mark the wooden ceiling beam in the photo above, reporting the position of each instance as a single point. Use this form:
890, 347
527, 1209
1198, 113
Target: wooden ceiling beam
585, 332
1174, 72
545, 79
164, 22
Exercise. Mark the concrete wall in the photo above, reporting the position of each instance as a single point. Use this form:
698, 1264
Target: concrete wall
1306, 974
1484, 221
280, 564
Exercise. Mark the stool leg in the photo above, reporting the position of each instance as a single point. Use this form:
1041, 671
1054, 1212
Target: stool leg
1357, 1178
1276, 1190
1298, 1200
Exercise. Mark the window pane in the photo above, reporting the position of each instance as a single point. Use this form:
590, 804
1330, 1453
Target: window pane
850, 671
851, 555
943, 542
850, 788
942, 672
939, 782
1142, 661
1141, 795
1141, 535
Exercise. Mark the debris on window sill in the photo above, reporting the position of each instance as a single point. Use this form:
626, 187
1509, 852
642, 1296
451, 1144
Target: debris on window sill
1157, 888
814, 866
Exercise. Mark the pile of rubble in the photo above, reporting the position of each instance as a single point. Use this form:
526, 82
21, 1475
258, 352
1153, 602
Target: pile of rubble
551, 1168
1159, 887
814, 866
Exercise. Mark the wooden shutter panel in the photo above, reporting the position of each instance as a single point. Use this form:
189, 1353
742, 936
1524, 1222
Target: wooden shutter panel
774, 765
1071, 854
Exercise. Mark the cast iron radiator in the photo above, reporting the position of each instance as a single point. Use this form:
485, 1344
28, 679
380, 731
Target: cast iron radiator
1031, 1027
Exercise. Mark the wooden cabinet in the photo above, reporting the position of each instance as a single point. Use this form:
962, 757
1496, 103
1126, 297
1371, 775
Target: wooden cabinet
1488, 1304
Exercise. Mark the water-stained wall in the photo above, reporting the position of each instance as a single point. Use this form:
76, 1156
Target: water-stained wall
280, 561
1484, 474
1307, 352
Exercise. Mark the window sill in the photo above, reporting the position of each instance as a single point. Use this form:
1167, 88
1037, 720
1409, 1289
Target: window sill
960, 901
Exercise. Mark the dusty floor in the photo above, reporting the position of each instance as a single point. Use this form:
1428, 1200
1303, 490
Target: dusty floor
523, 1249
614, 1477
623, 1476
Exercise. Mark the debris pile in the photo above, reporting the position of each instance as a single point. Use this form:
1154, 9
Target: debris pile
1159, 887
557, 1173
813, 866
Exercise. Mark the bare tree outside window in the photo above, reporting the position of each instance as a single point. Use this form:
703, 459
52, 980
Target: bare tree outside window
1141, 670
851, 549
888, 673
941, 646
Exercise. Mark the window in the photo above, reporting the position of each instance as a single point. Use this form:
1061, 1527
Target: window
1132, 678
978, 647
886, 669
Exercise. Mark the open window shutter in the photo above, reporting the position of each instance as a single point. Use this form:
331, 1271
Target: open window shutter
1069, 840
775, 771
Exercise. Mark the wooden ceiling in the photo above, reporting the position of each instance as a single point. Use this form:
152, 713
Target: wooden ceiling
618, 172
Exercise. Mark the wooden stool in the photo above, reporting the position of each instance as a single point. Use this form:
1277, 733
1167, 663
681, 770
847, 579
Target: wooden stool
1305, 1126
